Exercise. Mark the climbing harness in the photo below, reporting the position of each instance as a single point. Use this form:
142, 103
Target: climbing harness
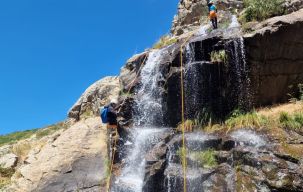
183, 151
115, 142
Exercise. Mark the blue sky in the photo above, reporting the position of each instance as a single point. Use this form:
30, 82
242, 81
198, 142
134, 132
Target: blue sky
52, 50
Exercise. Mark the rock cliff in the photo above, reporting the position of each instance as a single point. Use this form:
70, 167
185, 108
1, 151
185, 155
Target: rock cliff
256, 68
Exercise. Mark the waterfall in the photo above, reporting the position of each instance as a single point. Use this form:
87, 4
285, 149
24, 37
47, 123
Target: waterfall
234, 22
148, 114
149, 96
132, 175
241, 70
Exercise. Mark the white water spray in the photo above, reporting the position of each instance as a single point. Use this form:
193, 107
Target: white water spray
144, 136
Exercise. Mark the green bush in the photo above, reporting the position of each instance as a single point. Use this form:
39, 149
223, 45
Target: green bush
294, 121
164, 41
218, 56
206, 158
260, 10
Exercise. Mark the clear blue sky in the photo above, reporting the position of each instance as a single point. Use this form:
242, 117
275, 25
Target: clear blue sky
52, 50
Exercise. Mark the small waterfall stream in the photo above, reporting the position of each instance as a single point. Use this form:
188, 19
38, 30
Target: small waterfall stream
147, 116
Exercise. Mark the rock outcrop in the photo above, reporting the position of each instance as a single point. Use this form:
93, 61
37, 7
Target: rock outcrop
242, 161
96, 96
75, 160
8, 161
192, 13
275, 57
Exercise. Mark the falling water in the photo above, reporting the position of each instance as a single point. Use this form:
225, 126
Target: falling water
132, 176
241, 73
149, 96
148, 113
194, 174
234, 22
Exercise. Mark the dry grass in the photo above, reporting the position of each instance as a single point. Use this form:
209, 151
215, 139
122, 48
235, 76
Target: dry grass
164, 41
4, 182
274, 120
22, 149
275, 111
188, 126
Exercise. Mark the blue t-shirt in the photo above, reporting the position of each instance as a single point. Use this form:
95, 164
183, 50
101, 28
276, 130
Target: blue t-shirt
212, 8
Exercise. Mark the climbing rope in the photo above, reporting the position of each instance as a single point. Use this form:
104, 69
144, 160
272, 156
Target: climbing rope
112, 161
115, 142
183, 151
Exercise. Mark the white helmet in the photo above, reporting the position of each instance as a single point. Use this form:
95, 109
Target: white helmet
115, 101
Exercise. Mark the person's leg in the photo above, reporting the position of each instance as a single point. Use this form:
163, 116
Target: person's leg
216, 23
213, 23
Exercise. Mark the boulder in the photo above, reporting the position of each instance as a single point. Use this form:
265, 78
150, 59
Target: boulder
129, 72
8, 161
96, 96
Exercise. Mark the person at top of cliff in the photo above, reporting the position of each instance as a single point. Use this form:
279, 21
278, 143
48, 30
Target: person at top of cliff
213, 14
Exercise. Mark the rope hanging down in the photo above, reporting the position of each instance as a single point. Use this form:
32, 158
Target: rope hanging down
184, 164
183, 151
115, 143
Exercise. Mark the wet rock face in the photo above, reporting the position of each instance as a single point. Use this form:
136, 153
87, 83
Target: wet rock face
208, 86
243, 166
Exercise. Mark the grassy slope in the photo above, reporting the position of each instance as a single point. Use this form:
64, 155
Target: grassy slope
17, 136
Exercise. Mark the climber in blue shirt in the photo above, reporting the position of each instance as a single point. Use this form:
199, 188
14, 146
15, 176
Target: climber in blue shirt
213, 14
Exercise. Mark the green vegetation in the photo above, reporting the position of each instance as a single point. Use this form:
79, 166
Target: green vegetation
6, 172
164, 41
203, 118
294, 121
125, 93
239, 119
218, 56
206, 159
107, 165
259, 10
17, 136
182, 154
4, 182
49, 130
5, 175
